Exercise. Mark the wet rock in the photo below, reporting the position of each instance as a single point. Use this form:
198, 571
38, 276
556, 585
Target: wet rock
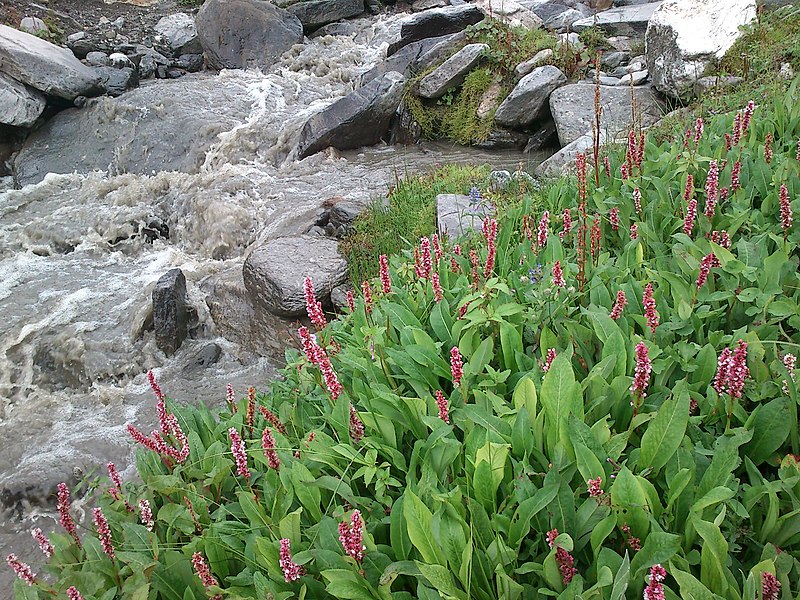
405, 129
201, 358
274, 271
502, 139
361, 118
21, 105
133, 137
190, 62
434, 23
635, 78
685, 36
342, 214
572, 107
98, 59
451, 73
529, 65
34, 26
170, 316
545, 137
510, 12
341, 28
45, 66
527, 102
623, 20
147, 67
316, 13
179, 33
118, 81
456, 216
237, 34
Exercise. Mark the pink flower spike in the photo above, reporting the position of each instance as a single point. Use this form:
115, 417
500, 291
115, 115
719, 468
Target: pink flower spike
768, 148
735, 184
565, 563
351, 536
114, 475
541, 237
73, 593
313, 307
202, 570
551, 536
688, 192
641, 378
712, 189
65, 518
797, 157
548, 359
309, 344
738, 371
366, 291
789, 361
268, 445
427, 261
22, 570
161, 407
239, 454
634, 231
558, 275
438, 251
649, 305
770, 586
698, 130
273, 419
438, 293
356, 425
595, 487
655, 589
44, 544
491, 237
786, 209
705, 267
723, 366
103, 532
351, 301
441, 403
580, 168
146, 514
229, 397
567, 225
637, 200
748, 114
691, 215
386, 281
613, 218
291, 571
456, 365
619, 305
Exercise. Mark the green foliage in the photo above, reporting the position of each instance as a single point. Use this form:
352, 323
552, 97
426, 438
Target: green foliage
705, 483
508, 46
461, 124
594, 39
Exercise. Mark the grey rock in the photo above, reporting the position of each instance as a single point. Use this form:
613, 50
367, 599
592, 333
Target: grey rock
421, 5
119, 22
274, 271
455, 216
437, 49
180, 33
201, 357
636, 77
170, 315
77, 36
236, 34
411, 58
34, 26
406, 130
510, 12
128, 135
147, 66
340, 28
564, 158
623, 20
98, 59
683, 38
529, 65
563, 21
343, 213
339, 296
452, 72
434, 23
620, 43
527, 102
613, 60
572, 107
191, 62
45, 66
119, 60
21, 105
705, 84
502, 139
606, 80
316, 13
361, 118
631, 2
545, 137
573, 39
118, 81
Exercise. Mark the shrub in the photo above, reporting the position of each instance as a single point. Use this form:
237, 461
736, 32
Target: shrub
503, 425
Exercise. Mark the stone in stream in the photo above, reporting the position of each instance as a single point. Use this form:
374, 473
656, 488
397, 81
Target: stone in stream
237, 34
316, 13
170, 315
452, 72
274, 271
435, 22
117, 81
21, 105
179, 33
685, 36
45, 66
527, 102
361, 118
623, 20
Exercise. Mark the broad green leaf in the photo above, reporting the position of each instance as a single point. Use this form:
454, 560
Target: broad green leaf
418, 524
771, 424
441, 579
665, 433
690, 587
525, 395
347, 585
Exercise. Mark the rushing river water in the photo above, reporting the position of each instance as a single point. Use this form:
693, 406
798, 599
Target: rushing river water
77, 270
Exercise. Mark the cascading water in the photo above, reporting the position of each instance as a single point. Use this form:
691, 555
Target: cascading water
80, 253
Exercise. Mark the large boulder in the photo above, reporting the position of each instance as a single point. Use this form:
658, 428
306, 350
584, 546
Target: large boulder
457, 215
45, 66
435, 22
273, 272
170, 314
21, 105
510, 12
623, 20
562, 160
361, 118
179, 33
527, 102
452, 72
685, 36
129, 134
316, 13
237, 34
572, 107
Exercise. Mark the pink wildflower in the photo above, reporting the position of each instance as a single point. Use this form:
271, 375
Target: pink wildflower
441, 403
313, 307
565, 563
712, 189
541, 238
356, 425
634, 231
103, 532
551, 536
698, 130
250, 415
567, 225
634, 542
619, 305
748, 114
655, 589
146, 514
351, 301
476, 277
723, 366
329, 375
580, 168
768, 148
456, 365
688, 191
427, 262
641, 378
202, 570
607, 166
73, 593
735, 184
351, 536
268, 445
613, 218
65, 518
22, 570
491, 237
229, 397
649, 305
161, 407
797, 157
705, 267
640, 149
737, 128
595, 237
595, 487
463, 310
44, 544
438, 293
386, 281
366, 291
273, 419
291, 571
549, 358
558, 275
738, 371
789, 361
637, 200
309, 345
770, 586
454, 266
239, 454
624, 171
457, 250
691, 215
727, 142
438, 251
786, 209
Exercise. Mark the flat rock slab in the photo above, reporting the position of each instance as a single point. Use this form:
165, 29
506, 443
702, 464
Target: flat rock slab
434, 23
452, 72
316, 13
527, 102
44, 66
623, 20
21, 105
455, 216
572, 107
274, 271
